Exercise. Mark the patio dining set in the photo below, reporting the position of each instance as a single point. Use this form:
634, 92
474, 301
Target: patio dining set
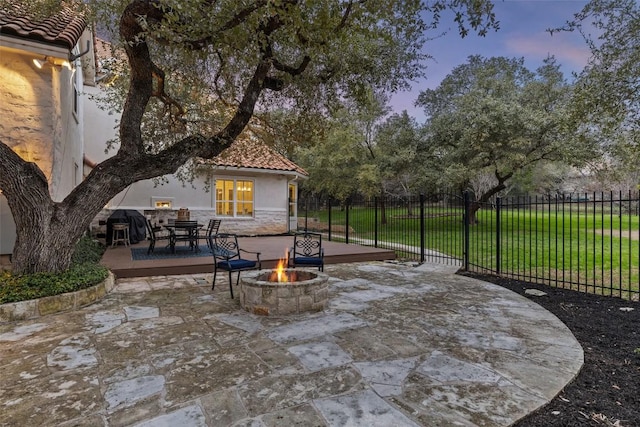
176, 231
306, 250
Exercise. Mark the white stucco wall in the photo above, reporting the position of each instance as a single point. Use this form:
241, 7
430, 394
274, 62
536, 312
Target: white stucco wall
99, 126
271, 188
38, 123
271, 204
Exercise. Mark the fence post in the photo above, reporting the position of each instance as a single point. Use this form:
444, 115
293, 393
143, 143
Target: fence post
346, 227
306, 213
498, 234
329, 216
422, 249
465, 221
375, 221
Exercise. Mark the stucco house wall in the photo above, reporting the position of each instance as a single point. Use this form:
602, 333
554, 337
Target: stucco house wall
38, 122
271, 199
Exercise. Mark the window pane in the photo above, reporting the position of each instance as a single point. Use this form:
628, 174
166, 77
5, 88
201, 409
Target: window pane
244, 197
224, 197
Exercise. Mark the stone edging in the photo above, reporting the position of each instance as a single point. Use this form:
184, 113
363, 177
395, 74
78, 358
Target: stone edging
34, 308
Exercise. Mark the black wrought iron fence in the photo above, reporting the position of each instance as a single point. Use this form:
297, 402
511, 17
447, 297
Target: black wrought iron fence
587, 242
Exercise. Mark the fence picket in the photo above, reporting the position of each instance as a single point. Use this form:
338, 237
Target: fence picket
552, 240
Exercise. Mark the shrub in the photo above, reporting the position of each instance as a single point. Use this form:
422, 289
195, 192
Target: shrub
85, 271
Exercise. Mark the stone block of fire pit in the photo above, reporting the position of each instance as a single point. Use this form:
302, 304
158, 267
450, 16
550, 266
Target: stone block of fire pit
304, 292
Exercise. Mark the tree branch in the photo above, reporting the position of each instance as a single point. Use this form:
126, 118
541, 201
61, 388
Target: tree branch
160, 93
25, 186
142, 69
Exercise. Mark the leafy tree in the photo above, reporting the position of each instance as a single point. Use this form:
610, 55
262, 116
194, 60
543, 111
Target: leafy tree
548, 178
196, 73
340, 163
398, 141
606, 99
286, 130
495, 116
606, 103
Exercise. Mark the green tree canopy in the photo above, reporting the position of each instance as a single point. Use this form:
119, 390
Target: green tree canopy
398, 142
493, 115
607, 90
606, 102
340, 162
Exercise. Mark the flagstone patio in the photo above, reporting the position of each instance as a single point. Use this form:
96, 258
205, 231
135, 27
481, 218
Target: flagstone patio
397, 346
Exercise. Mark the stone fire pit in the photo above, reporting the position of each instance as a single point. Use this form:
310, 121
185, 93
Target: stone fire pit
308, 293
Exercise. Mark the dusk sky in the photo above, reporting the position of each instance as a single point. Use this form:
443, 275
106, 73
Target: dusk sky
523, 25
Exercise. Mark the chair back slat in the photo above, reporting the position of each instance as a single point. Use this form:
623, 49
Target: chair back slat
186, 223
147, 223
214, 226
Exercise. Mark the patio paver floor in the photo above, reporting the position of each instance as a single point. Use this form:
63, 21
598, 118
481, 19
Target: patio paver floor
397, 345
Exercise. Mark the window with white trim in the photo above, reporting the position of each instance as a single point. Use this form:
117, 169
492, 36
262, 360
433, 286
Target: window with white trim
293, 200
234, 197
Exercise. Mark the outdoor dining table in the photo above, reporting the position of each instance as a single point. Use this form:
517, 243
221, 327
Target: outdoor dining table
191, 234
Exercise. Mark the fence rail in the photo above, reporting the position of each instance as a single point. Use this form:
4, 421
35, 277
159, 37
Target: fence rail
586, 242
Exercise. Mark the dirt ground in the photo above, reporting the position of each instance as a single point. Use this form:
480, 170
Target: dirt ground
606, 392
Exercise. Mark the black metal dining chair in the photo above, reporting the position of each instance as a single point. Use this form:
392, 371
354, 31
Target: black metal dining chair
155, 234
307, 250
227, 257
185, 231
212, 228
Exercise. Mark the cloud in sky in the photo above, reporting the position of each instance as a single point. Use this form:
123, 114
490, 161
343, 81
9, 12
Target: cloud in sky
522, 33
571, 53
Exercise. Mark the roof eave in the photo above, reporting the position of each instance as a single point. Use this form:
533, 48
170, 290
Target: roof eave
33, 47
255, 170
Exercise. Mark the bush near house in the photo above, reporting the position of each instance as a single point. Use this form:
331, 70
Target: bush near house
85, 271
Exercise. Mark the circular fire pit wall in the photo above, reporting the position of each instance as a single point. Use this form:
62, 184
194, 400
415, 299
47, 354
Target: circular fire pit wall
308, 293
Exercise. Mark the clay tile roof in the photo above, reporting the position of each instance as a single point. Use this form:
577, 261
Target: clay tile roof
62, 29
245, 153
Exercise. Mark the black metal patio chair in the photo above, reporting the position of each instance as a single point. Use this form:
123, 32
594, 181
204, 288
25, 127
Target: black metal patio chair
227, 256
212, 228
185, 231
155, 234
307, 250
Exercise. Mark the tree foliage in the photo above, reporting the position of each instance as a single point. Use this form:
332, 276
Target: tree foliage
606, 101
495, 116
607, 90
197, 71
398, 144
340, 162
362, 153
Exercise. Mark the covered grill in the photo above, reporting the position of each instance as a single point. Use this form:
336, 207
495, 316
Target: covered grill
136, 221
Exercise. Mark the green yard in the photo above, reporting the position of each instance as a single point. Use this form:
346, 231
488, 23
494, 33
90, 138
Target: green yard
582, 248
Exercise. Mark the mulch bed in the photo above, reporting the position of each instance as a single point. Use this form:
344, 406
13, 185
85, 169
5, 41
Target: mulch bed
606, 391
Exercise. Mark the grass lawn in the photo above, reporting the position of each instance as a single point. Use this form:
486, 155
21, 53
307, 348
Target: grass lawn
581, 248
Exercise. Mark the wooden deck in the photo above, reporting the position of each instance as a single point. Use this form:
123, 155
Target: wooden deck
271, 248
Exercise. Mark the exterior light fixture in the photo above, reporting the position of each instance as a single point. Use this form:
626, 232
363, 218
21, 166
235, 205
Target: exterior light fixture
53, 61
39, 63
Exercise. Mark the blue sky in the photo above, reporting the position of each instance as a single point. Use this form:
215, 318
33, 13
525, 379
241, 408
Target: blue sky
523, 25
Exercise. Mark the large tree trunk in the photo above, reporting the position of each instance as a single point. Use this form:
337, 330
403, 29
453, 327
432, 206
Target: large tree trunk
45, 247
475, 205
46, 230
